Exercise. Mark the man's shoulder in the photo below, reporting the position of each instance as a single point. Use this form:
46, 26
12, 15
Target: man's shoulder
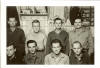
48, 55
64, 32
64, 55
19, 29
42, 33
51, 33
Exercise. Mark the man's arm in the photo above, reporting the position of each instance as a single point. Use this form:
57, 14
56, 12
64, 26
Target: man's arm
46, 61
67, 60
48, 45
91, 43
67, 44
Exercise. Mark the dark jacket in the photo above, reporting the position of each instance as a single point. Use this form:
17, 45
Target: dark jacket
84, 58
14, 61
33, 58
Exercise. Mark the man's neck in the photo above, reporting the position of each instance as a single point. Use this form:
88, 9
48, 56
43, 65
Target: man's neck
77, 29
79, 56
58, 30
11, 57
12, 29
56, 55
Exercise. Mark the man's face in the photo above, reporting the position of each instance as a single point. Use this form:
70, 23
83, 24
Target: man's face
76, 48
31, 47
36, 27
10, 51
56, 48
78, 23
12, 22
58, 24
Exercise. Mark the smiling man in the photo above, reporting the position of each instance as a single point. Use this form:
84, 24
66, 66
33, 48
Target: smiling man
56, 56
33, 57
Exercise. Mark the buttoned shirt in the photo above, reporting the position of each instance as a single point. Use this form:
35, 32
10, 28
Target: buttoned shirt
60, 59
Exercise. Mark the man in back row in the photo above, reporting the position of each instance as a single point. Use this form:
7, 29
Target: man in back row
59, 34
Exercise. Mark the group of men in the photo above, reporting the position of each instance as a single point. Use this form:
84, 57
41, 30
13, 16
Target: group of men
59, 47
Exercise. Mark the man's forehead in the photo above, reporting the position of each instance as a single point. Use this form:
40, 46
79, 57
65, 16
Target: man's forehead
58, 21
31, 44
9, 47
55, 44
12, 19
78, 20
76, 45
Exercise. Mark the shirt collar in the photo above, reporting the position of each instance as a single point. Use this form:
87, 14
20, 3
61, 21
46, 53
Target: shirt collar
32, 55
60, 55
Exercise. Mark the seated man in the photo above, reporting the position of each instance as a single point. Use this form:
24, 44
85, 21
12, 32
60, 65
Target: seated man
78, 54
33, 57
56, 57
11, 57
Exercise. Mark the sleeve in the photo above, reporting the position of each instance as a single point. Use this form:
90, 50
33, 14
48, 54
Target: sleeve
26, 59
48, 45
91, 43
46, 61
67, 60
22, 42
67, 44
23, 39
44, 41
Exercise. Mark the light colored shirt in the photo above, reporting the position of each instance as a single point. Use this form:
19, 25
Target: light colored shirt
51, 59
83, 36
39, 37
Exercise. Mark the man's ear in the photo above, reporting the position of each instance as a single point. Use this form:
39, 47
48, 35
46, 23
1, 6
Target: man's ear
60, 47
15, 50
16, 22
8, 22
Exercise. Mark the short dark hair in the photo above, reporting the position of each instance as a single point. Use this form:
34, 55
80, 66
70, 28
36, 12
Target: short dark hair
77, 42
58, 19
11, 44
56, 41
36, 21
31, 41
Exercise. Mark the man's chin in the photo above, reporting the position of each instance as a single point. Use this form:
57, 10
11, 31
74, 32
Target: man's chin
32, 52
57, 53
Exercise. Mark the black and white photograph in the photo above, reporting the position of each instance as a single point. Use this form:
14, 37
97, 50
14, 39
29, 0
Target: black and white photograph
50, 35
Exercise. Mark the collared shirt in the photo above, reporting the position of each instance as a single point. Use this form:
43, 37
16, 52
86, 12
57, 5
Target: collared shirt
33, 58
63, 36
39, 37
84, 37
52, 59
